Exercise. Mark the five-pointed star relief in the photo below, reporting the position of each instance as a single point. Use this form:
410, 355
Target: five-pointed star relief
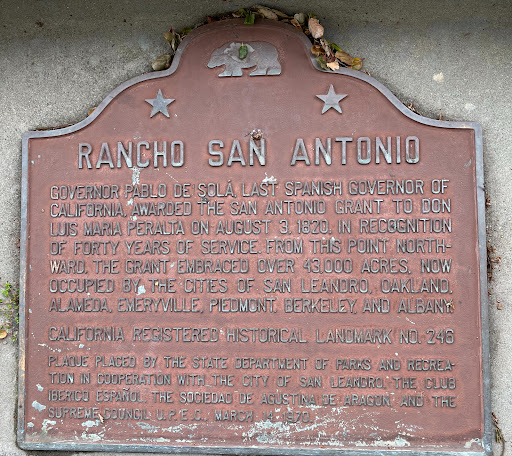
332, 100
160, 104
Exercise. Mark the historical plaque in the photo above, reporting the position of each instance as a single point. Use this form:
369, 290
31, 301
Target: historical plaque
254, 256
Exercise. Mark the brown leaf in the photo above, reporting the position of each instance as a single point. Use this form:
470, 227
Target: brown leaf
329, 57
162, 62
296, 23
173, 39
345, 58
334, 65
317, 31
317, 50
413, 108
91, 111
357, 63
279, 13
168, 37
327, 50
266, 12
3, 334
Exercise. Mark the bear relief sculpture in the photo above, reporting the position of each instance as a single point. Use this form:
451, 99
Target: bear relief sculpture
261, 55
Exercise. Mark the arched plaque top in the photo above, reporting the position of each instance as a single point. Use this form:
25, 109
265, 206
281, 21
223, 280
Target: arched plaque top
269, 43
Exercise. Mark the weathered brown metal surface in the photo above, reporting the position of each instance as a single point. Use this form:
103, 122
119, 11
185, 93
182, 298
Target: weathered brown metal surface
326, 304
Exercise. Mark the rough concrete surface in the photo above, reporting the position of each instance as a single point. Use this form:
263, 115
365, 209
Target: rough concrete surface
59, 59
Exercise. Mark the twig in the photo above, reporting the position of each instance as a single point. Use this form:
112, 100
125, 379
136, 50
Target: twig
500, 438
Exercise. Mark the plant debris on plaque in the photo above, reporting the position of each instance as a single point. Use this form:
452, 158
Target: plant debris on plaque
329, 56
255, 134
243, 51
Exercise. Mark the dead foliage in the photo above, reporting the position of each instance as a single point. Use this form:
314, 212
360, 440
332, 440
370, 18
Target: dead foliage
329, 55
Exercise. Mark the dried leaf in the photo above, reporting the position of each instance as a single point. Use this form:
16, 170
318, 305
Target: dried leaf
322, 63
317, 31
413, 109
266, 12
329, 57
333, 65
249, 19
162, 62
3, 334
345, 58
300, 18
243, 51
317, 50
327, 49
256, 134
173, 39
296, 23
357, 63
280, 13
91, 111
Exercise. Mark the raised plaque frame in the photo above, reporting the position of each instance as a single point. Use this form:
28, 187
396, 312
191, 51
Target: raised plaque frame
81, 446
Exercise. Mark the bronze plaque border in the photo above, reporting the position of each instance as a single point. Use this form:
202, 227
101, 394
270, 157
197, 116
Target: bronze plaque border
482, 250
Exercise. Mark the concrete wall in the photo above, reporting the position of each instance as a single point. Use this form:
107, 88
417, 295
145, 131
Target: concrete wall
59, 59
